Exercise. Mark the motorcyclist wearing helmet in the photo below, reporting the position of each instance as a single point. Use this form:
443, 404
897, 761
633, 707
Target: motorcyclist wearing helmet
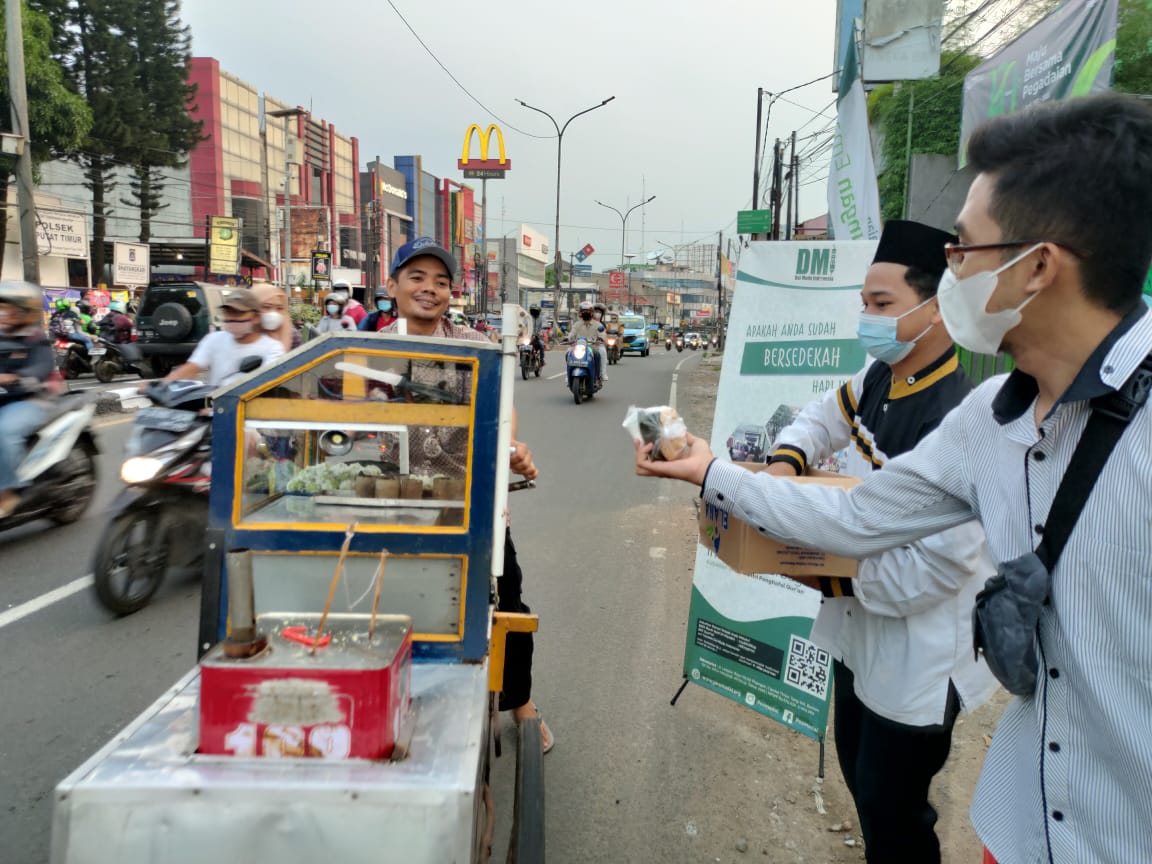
335, 319
384, 314
26, 363
592, 330
67, 324
116, 327
354, 309
84, 309
538, 344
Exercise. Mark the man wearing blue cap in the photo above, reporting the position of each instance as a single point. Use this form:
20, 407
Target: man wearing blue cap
420, 285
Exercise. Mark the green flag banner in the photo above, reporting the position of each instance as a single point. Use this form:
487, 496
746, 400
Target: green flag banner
1067, 53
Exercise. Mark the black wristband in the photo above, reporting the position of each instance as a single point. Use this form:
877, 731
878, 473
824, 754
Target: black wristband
704, 482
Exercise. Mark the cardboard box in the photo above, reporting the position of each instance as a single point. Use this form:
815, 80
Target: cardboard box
745, 550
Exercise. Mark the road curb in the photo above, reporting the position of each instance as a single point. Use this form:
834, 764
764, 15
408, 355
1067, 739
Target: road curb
122, 400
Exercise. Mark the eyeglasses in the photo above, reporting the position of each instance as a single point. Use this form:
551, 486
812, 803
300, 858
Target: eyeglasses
955, 252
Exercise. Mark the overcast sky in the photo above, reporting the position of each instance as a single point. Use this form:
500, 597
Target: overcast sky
682, 125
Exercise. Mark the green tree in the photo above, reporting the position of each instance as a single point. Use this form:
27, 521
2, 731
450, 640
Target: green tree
161, 45
1133, 69
932, 125
58, 118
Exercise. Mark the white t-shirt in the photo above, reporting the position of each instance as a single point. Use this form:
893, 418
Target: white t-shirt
219, 355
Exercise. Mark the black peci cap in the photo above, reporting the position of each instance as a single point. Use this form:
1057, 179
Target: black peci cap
913, 244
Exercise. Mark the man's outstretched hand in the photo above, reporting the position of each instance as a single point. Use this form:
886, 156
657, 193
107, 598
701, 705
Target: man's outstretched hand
691, 467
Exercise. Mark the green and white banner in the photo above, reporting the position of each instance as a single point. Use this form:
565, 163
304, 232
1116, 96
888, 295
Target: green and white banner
853, 196
791, 337
1067, 53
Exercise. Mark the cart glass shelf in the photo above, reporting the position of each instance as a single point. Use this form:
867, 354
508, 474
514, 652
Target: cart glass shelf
376, 438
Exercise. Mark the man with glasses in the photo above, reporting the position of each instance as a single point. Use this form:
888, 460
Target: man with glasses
1055, 244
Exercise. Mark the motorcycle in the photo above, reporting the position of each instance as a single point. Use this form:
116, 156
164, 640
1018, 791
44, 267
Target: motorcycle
60, 468
531, 360
583, 370
159, 518
693, 342
612, 347
667, 343
679, 343
118, 358
715, 343
73, 359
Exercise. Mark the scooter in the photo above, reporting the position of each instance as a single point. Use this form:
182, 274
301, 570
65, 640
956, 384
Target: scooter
612, 348
159, 518
118, 358
60, 468
679, 343
667, 343
531, 360
73, 359
583, 364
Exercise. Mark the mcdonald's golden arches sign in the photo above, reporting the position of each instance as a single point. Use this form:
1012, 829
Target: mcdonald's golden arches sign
484, 168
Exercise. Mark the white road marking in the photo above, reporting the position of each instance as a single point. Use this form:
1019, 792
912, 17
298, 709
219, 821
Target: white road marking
681, 363
44, 600
557, 375
672, 393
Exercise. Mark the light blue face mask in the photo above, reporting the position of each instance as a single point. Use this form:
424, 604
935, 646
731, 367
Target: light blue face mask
877, 333
333, 309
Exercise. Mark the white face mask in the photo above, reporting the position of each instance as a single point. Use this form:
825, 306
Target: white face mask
271, 320
963, 306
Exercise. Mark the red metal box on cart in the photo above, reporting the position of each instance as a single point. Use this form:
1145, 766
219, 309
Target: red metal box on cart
347, 700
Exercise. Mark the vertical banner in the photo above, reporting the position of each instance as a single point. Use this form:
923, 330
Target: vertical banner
1069, 52
853, 196
791, 337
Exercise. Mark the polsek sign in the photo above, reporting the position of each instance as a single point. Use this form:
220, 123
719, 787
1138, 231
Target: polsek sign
61, 233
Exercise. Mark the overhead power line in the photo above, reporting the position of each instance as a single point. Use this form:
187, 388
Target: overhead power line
456, 80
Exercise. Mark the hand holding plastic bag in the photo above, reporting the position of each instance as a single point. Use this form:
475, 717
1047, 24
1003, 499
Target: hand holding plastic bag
661, 427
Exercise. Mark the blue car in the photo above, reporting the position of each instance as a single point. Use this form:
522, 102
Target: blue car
635, 334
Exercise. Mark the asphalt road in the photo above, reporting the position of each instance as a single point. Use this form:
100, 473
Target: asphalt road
607, 559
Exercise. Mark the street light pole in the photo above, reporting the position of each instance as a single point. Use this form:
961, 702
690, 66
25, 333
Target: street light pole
286, 262
557, 259
624, 225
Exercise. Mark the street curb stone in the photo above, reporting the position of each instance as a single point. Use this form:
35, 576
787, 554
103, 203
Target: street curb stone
122, 400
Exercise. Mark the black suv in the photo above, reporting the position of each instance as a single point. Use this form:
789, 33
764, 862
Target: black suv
173, 317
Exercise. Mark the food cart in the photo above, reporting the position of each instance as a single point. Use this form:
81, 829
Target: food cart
343, 708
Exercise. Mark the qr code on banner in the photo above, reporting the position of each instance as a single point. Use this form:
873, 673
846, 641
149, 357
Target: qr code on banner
807, 667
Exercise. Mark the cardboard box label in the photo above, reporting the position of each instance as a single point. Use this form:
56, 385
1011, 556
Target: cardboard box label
745, 550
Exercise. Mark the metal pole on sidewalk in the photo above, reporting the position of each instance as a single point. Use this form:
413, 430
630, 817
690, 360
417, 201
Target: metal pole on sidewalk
18, 94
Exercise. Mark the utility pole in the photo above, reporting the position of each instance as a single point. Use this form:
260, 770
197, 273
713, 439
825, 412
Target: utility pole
719, 286
775, 199
791, 197
18, 93
756, 157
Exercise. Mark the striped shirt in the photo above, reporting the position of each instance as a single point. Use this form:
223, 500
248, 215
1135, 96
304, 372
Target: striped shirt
1068, 778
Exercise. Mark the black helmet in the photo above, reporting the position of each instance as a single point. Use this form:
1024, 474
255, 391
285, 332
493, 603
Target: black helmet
534, 311
25, 295
382, 291
85, 307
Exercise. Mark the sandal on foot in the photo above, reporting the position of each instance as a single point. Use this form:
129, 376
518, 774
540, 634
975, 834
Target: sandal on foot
547, 739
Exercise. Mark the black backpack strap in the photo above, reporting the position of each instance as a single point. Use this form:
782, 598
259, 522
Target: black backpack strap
1110, 417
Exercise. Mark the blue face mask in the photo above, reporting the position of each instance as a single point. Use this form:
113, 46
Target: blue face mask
877, 333
333, 309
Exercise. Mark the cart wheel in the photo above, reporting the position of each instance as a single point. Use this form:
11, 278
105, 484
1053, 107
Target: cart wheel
527, 846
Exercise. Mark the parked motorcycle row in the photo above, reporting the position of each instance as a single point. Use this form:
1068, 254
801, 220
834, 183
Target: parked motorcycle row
106, 360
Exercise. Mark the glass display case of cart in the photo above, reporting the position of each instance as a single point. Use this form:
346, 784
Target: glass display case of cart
373, 437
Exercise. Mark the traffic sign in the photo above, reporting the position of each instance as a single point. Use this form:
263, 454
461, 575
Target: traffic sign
582, 270
753, 221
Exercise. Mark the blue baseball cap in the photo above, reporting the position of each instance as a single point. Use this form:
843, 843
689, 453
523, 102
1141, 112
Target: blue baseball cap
420, 247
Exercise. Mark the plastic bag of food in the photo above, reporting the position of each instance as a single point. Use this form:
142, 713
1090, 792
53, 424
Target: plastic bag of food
661, 427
